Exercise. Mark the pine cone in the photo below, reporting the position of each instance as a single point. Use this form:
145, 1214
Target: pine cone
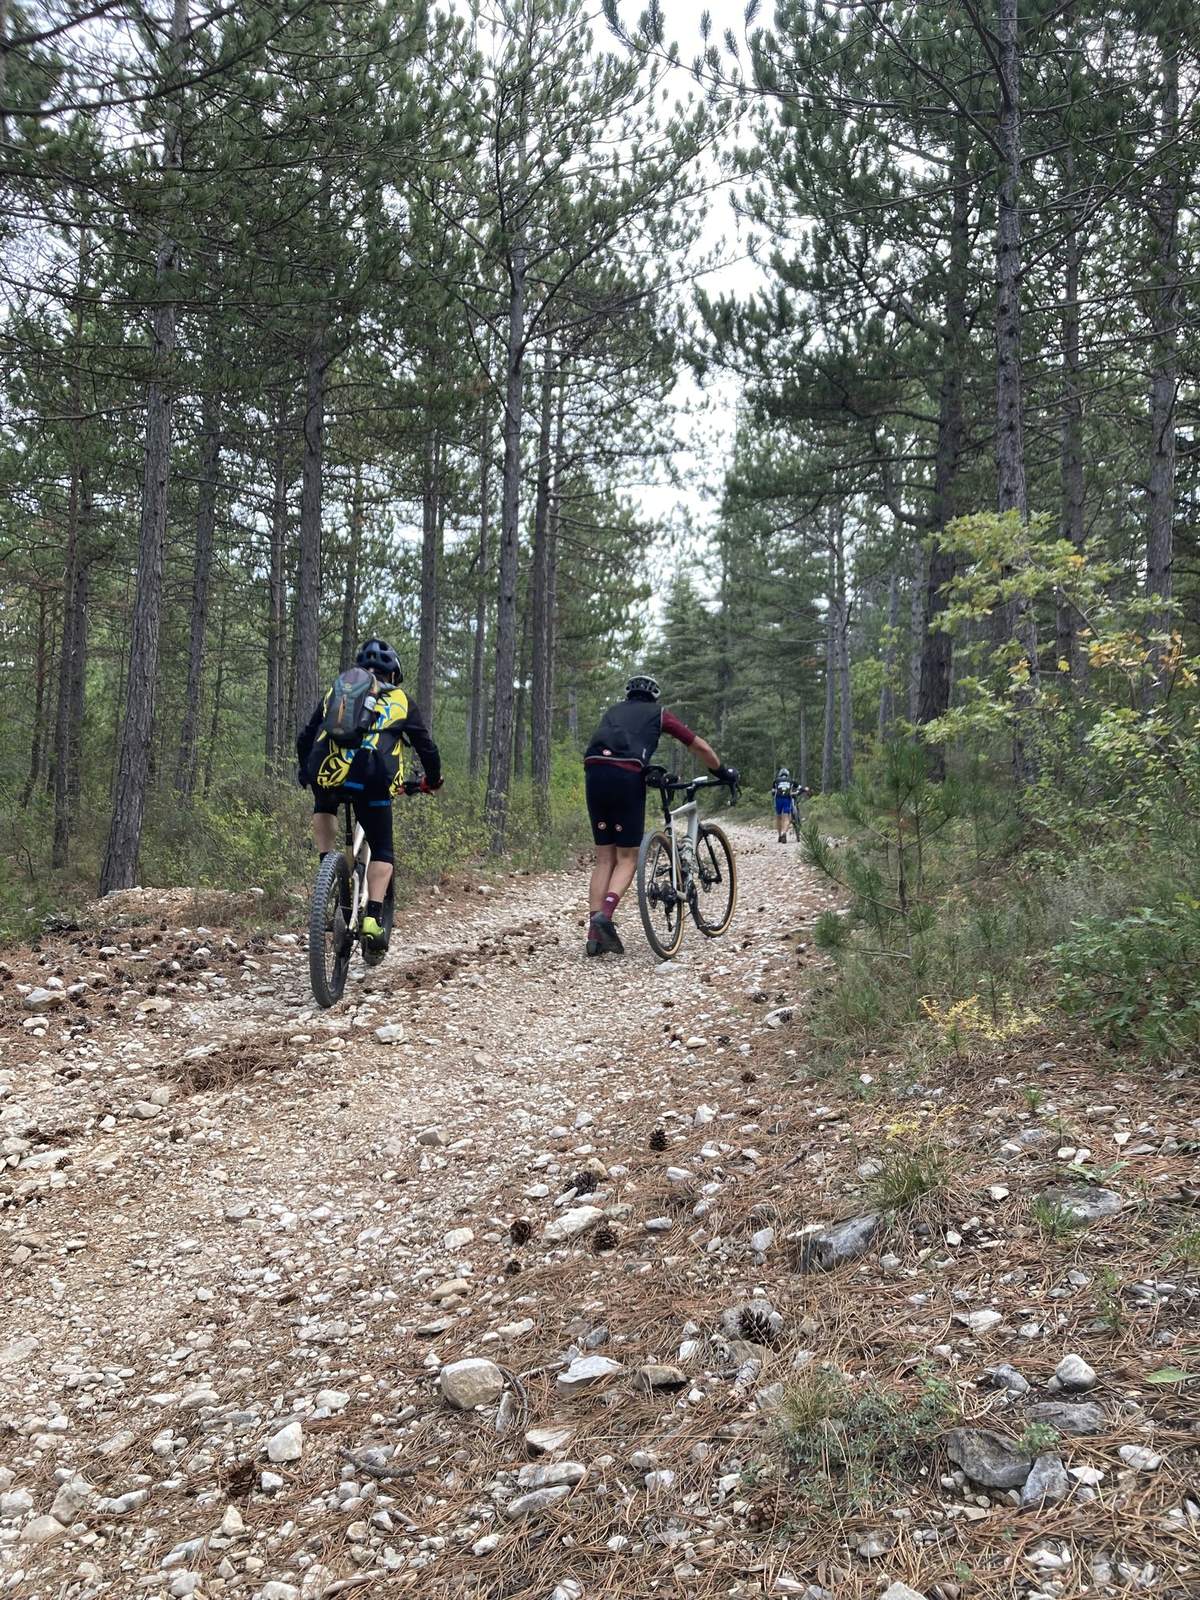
583, 1182
511, 1268
755, 1327
520, 1231
604, 1238
658, 1139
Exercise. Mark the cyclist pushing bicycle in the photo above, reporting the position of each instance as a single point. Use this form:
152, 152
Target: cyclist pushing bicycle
615, 764
350, 752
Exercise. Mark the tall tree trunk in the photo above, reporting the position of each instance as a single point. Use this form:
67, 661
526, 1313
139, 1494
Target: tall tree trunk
540, 605
936, 646
430, 572
353, 559
306, 676
277, 673
831, 671
74, 580
1012, 494
573, 714
80, 651
1166, 201
478, 712
803, 770
43, 651
555, 520
887, 694
520, 719
500, 765
845, 705
133, 757
1012, 491
1071, 427
206, 522
916, 630
218, 706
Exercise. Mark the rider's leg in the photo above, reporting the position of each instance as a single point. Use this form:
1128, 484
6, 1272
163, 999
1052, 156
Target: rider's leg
602, 871
324, 830
376, 819
622, 876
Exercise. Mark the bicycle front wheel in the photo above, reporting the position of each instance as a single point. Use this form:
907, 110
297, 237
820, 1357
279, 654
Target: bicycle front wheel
659, 901
330, 940
715, 898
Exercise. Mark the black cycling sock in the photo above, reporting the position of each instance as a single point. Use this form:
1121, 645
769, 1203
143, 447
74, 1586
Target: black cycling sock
375, 909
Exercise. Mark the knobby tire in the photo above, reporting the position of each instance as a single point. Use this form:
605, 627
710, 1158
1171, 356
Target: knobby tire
713, 908
653, 856
329, 940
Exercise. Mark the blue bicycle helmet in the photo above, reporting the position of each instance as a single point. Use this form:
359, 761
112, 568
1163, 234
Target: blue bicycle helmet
377, 656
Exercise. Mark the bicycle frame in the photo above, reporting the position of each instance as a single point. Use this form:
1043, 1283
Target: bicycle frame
360, 850
691, 811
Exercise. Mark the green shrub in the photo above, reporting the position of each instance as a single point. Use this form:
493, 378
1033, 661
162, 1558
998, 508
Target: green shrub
849, 1446
1136, 979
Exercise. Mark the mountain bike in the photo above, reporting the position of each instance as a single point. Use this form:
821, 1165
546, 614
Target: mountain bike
692, 866
339, 903
798, 794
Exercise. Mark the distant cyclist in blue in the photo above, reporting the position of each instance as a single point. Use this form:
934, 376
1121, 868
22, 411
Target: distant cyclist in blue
784, 805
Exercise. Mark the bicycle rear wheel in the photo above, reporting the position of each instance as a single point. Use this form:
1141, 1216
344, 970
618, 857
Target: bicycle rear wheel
330, 940
796, 824
715, 894
659, 903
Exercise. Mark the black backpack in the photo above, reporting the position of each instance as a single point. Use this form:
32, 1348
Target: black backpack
350, 708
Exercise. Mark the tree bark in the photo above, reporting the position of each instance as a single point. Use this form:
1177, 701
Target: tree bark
500, 765
831, 665
353, 559
1164, 215
218, 701
206, 522
887, 693
540, 591
520, 718
306, 676
478, 726
1071, 427
431, 561
845, 705
936, 649
74, 589
133, 759
277, 673
43, 651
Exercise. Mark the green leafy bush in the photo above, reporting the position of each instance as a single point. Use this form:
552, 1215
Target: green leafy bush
1136, 979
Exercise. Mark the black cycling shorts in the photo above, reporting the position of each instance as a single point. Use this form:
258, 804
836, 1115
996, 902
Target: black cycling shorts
373, 813
616, 802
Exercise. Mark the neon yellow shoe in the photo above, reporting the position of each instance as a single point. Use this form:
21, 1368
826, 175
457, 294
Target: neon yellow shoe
374, 933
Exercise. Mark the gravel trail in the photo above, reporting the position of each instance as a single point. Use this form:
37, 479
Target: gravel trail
216, 1174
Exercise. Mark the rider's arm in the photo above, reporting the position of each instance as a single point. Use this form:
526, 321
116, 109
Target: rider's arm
419, 737
307, 734
707, 754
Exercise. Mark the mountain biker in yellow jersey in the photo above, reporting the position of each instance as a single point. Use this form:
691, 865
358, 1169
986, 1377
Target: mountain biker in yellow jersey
368, 775
621, 749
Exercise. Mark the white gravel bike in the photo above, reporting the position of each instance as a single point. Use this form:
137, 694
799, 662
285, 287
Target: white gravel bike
690, 865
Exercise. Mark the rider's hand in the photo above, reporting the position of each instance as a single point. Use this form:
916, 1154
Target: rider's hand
430, 788
728, 775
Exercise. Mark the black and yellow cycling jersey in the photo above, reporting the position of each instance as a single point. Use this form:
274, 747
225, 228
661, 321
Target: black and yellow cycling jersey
376, 766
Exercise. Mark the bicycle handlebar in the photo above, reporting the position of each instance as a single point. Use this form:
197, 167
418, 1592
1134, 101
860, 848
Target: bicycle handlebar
669, 783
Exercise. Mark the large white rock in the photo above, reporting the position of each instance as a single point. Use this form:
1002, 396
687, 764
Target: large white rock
286, 1445
471, 1382
586, 1370
576, 1221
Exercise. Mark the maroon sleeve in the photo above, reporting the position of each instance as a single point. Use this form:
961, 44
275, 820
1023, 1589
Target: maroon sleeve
678, 730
